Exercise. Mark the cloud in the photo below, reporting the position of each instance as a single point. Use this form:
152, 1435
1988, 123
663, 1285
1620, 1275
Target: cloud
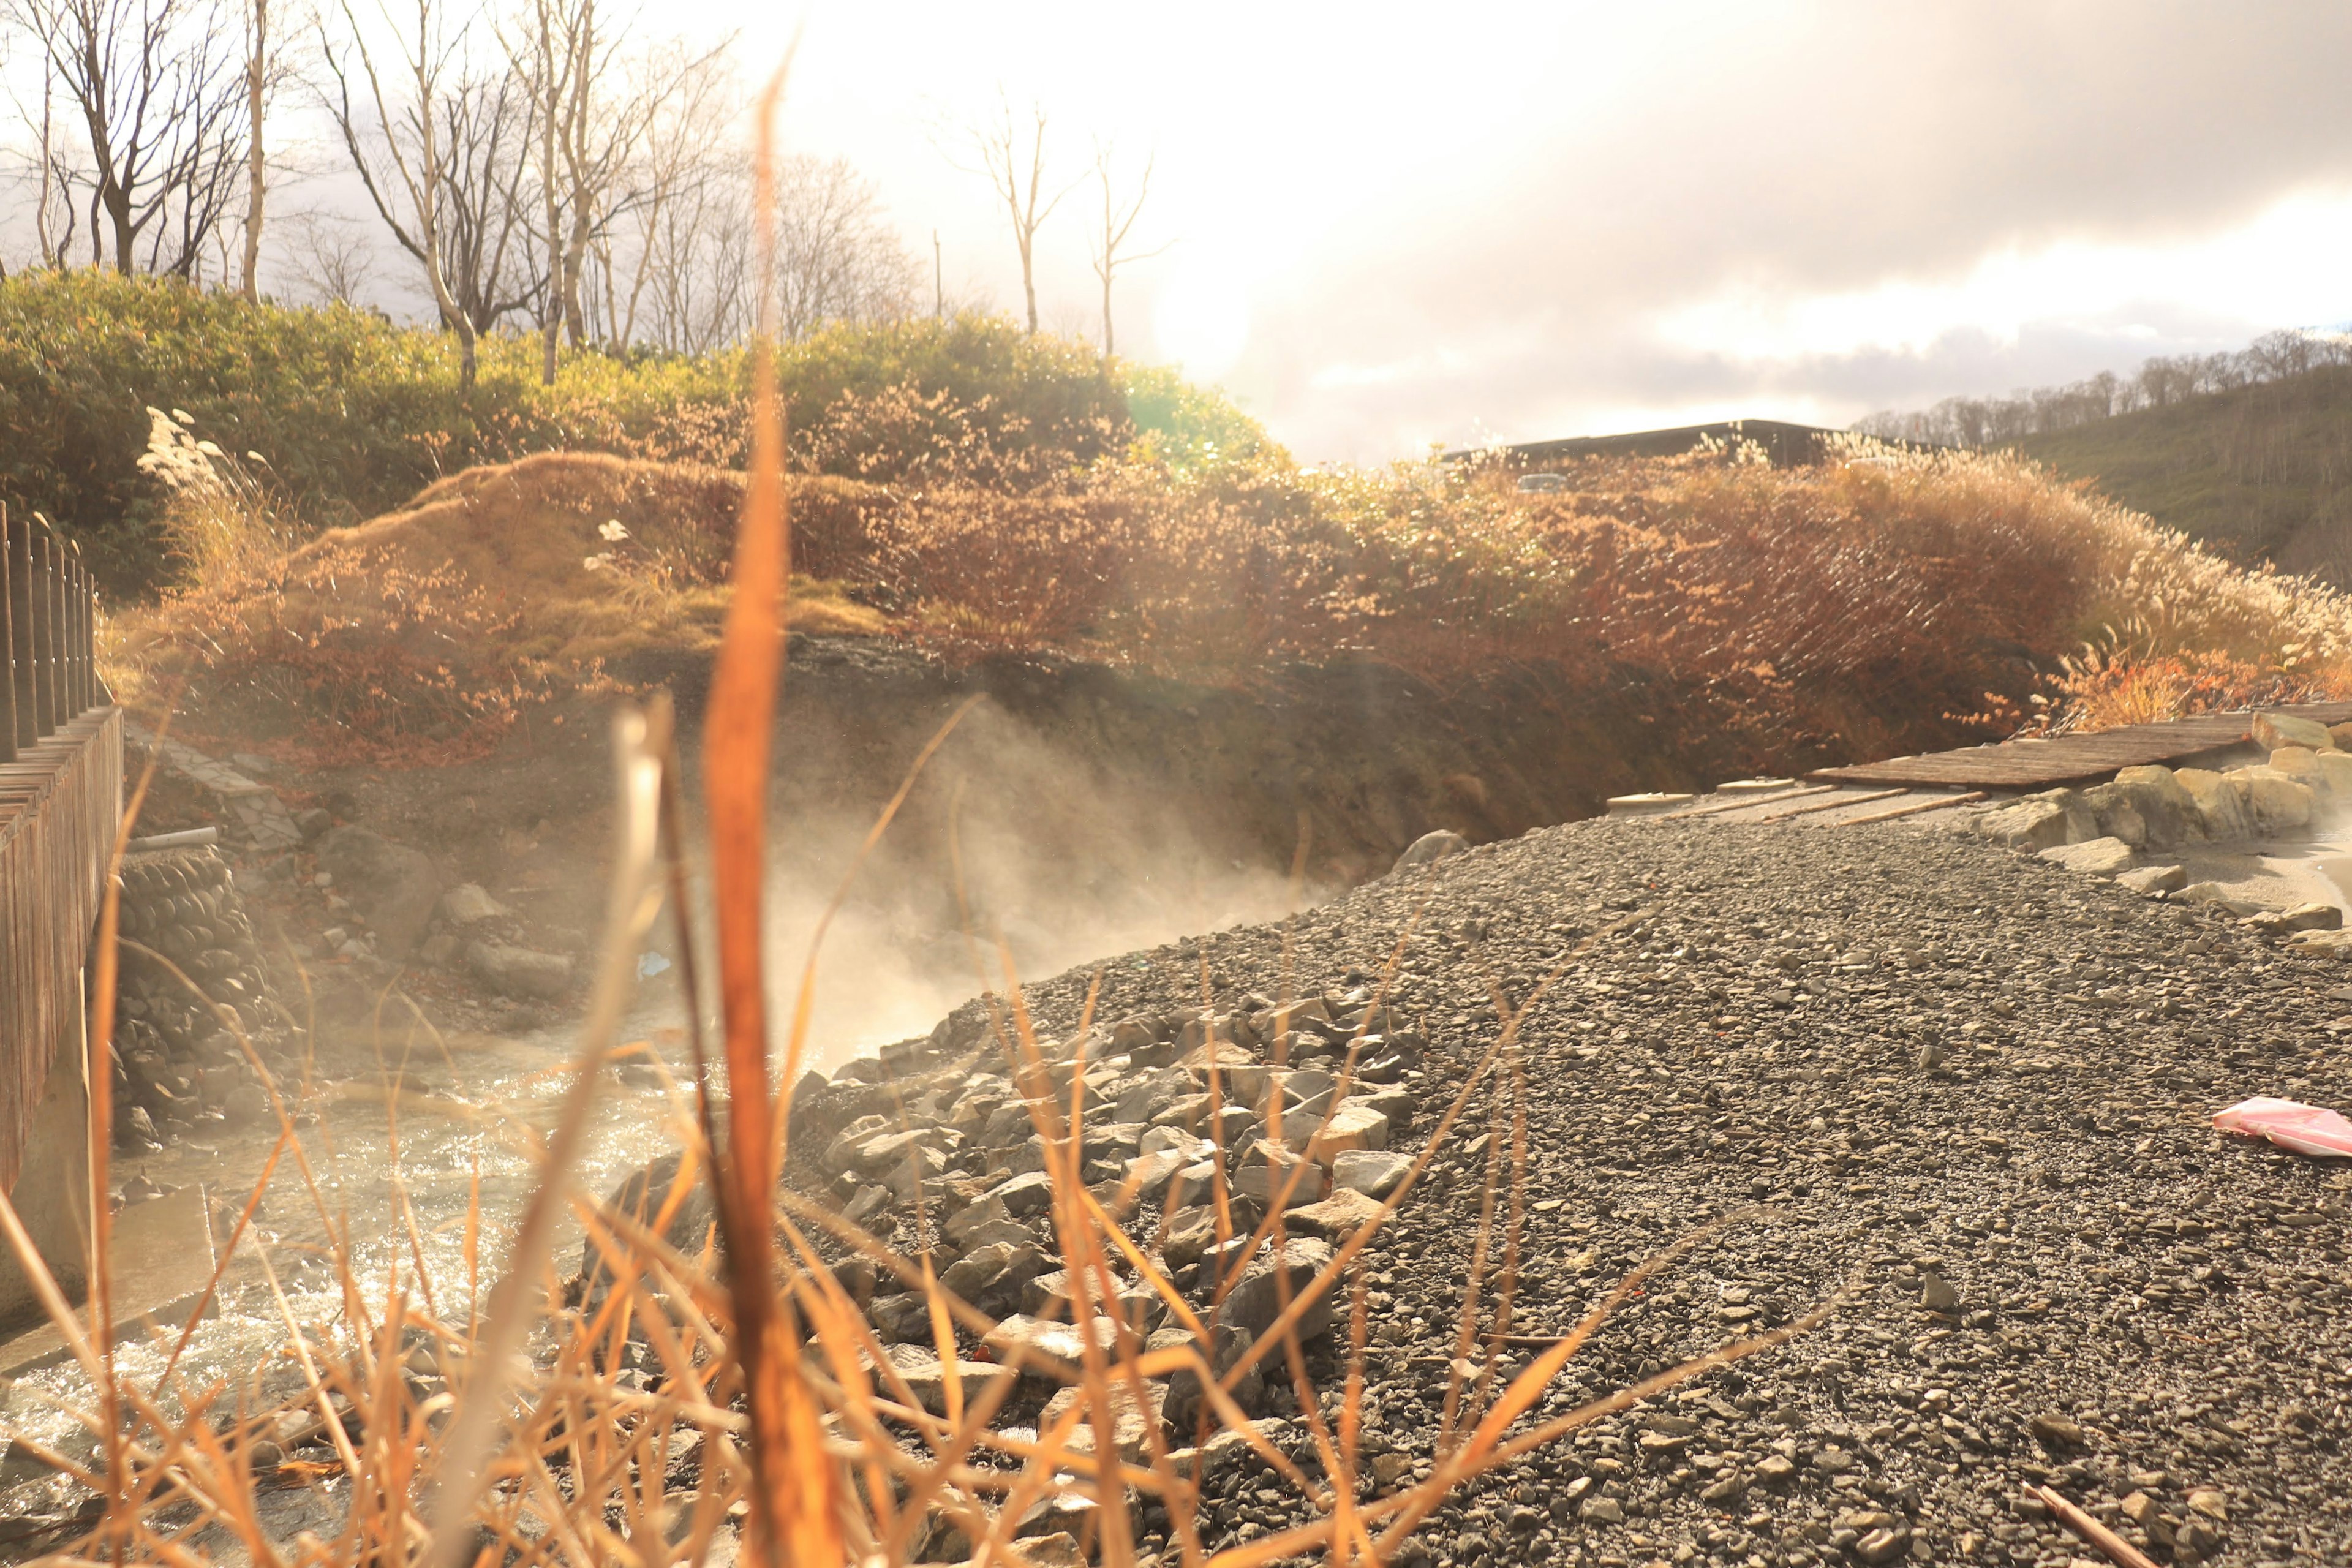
1803, 211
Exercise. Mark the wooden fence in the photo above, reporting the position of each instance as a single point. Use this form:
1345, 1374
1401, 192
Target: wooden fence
61, 804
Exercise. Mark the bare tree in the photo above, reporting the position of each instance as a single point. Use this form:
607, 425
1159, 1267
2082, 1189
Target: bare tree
155, 83
260, 77
676, 188
436, 151
1117, 223
1013, 157
331, 258
837, 258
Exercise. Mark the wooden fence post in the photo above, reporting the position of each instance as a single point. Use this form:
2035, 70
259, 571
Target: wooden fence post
44, 700
61, 631
82, 629
20, 605
7, 649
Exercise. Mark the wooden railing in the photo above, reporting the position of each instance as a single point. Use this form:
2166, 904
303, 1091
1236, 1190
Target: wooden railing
48, 624
60, 803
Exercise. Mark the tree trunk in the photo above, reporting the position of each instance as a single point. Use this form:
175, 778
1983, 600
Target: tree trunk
255, 183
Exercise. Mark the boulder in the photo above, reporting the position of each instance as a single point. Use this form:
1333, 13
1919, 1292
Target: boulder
2099, 858
991, 1277
2278, 802
2220, 801
2273, 731
1371, 1172
394, 885
2302, 764
1260, 1182
2151, 880
642, 1195
2217, 895
517, 970
1130, 1423
2118, 818
468, 904
1430, 848
1253, 1304
2302, 917
1349, 1126
927, 1377
2324, 944
2335, 775
904, 1318
1336, 1218
2167, 811
1028, 1193
2041, 821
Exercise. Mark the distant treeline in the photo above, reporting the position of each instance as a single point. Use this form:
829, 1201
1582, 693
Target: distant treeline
2159, 382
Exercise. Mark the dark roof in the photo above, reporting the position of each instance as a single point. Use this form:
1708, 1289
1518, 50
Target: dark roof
1787, 445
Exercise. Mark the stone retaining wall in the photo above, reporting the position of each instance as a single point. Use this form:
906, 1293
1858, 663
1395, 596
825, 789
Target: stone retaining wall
177, 1061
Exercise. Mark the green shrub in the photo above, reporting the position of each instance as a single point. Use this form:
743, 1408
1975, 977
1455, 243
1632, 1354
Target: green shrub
352, 413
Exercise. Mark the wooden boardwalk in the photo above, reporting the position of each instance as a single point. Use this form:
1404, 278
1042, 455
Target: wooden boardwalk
2074, 759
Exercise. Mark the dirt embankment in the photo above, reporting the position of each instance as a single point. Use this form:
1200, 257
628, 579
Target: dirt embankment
1088, 811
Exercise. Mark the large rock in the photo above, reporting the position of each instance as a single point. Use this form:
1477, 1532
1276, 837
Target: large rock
2273, 731
1131, 1424
1430, 848
2301, 763
2220, 801
1373, 1172
518, 971
1253, 1304
927, 1377
642, 1195
992, 1277
2099, 858
2278, 802
2153, 879
467, 904
2041, 821
394, 885
1348, 1127
2168, 811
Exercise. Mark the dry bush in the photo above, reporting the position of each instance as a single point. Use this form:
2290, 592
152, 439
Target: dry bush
1878, 600
420, 636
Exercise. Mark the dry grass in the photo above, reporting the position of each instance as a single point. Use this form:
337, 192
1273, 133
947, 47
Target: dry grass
1883, 600
419, 637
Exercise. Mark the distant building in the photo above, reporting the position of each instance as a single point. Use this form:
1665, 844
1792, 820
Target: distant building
1788, 445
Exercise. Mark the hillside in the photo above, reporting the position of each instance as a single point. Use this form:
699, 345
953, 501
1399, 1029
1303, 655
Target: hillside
2260, 473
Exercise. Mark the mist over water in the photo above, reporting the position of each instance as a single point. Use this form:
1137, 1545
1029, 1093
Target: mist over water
1067, 864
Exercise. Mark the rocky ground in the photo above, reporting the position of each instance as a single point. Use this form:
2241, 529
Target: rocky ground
1968, 1086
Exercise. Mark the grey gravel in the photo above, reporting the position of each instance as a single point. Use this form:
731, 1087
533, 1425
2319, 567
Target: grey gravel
1970, 1082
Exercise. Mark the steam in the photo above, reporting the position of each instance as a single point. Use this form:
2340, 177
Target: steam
1066, 861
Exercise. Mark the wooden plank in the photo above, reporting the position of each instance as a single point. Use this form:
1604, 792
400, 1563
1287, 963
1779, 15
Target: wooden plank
1837, 805
2036, 764
1715, 809
1946, 804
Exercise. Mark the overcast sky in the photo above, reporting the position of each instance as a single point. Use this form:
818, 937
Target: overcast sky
1389, 226
1394, 225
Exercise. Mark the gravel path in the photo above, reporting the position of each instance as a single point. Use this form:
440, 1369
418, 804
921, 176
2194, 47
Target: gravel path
1972, 1083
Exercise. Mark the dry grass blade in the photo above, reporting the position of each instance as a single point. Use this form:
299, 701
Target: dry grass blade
639, 744
796, 1513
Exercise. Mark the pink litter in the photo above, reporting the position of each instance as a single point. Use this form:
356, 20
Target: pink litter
2289, 1124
